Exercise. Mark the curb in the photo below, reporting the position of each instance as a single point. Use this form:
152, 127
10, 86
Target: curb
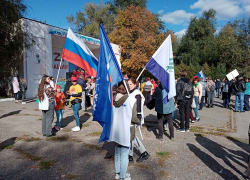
7, 99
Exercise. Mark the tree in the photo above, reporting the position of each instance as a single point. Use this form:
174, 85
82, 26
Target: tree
206, 70
198, 45
88, 20
12, 41
138, 35
117, 5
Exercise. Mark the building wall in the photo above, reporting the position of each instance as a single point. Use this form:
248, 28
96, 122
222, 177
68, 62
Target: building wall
38, 58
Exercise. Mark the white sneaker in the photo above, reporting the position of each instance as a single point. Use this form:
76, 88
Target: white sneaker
127, 177
23, 102
117, 176
75, 129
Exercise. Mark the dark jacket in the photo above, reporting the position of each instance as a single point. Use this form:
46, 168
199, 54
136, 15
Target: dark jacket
23, 87
82, 83
240, 86
134, 119
179, 88
67, 86
161, 108
217, 84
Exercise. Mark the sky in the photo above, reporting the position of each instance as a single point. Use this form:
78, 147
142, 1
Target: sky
175, 13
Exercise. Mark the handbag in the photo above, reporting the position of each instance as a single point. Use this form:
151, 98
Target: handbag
193, 105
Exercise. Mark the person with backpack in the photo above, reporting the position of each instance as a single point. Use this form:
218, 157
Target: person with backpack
210, 92
184, 96
239, 87
247, 95
82, 83
147, 89
225, 93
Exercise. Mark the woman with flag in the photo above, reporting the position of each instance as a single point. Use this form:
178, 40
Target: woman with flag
124, 114
134, 92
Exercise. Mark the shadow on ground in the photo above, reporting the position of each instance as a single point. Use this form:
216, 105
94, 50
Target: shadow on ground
10, 114
221, 152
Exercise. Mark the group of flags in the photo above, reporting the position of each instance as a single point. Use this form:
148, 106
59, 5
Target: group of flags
108, 73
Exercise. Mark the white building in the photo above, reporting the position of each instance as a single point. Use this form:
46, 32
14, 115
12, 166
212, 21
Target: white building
44, 56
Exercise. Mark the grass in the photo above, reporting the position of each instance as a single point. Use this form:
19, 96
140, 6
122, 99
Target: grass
86, 124
29, 156
36, 110
58, 138
196, 129
66, 130
40, 119
26, 138
9, 147
92, 146
72, 176
163, 174
221, 130
162, 156
94, 134
203, 132
46, 164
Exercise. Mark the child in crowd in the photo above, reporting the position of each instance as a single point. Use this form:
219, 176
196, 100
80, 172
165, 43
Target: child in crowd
59, 108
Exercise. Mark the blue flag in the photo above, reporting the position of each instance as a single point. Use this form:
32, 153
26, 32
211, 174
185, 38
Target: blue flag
108, 74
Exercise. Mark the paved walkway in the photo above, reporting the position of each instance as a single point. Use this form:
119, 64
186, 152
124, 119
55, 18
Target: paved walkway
215, 149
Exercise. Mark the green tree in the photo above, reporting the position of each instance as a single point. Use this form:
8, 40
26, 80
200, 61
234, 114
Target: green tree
88, 20
117, 5
206, 70
198, 45
191, 71
221, 71
12, 41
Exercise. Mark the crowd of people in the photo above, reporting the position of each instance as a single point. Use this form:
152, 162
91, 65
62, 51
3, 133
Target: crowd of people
192, 95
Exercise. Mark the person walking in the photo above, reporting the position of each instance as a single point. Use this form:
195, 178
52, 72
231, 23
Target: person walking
247, 95
197, 96
239, 87
59, 108
217, 87
184, 95
23, 89
46, 96
164, 112
225, 93
204, 85
147, 89
82, 83
210, 92
134, 92
75, 93
16, 89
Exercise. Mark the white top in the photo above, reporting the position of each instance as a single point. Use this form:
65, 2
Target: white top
135, 93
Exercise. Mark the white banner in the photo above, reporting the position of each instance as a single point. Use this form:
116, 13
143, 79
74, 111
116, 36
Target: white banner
232, 75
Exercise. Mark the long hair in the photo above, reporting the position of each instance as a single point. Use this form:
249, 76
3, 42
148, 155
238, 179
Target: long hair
121, 88
133, 80
40, 91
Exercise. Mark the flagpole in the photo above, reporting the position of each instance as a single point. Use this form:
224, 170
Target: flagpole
58, 71
140, 73
125, 84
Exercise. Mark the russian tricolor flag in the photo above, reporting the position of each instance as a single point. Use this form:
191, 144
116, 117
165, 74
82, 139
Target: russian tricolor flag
161, 65
76, 52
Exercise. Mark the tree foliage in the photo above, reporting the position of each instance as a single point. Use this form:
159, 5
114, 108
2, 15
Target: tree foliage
138, 35
88, 20
117, 5
11, 40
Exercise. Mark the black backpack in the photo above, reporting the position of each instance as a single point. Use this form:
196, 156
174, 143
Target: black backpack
188, 90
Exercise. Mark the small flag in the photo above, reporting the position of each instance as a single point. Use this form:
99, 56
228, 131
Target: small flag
161, 65
200, 74
108, 74
76, 52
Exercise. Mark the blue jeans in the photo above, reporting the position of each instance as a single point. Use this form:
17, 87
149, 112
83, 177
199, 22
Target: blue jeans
59, 116
218, 92
226, 100
246, 102
196, 98
239, 97
121, 160
76, 108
